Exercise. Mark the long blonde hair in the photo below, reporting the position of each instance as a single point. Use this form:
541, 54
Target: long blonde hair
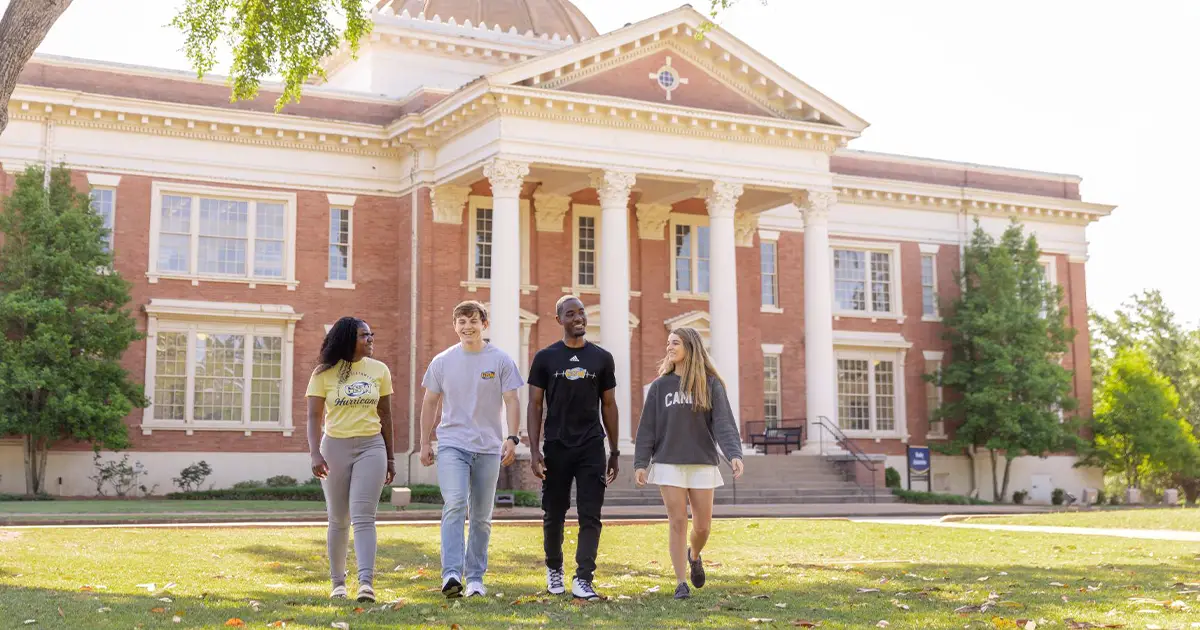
694, 370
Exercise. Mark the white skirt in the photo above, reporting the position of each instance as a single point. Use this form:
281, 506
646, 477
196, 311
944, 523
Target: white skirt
699, 476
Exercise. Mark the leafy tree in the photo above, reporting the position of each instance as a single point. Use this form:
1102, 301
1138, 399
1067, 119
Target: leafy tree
1007, 332
1137, 427
268, 38
63, 324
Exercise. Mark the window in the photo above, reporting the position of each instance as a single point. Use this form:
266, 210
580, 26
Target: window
929, 305
864, 281
481, 231
772, 394
339, 246
689, 254
587, 246
207, 370
769, 254
933, 394
483, 244
205, 233
103, 204
866, 387
1050, 271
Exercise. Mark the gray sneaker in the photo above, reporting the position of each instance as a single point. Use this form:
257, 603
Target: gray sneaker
682, 591
697, 566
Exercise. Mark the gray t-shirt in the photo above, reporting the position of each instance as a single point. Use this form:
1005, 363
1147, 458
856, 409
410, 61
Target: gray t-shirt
472, 385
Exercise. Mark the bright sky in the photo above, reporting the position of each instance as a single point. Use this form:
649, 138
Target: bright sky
1103, 89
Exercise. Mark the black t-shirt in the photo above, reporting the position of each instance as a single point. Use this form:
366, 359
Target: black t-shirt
574, 379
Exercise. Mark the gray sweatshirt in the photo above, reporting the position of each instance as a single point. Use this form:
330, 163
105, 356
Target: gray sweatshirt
672, 432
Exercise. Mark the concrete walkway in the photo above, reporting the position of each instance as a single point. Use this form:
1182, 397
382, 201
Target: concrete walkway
950, 521
613, 514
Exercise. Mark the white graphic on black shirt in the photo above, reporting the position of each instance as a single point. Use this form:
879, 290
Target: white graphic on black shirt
575, 374
575, 359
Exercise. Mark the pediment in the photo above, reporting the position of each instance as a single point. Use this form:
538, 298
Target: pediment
721, 72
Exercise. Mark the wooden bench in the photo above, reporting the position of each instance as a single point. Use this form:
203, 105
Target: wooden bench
788, 437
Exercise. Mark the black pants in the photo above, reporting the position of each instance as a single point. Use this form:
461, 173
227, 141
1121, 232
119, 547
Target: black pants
586, 466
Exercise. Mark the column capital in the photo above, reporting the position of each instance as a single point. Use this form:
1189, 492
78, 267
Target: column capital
613, 187
815, 204
506, 176
549, 210
745, 224
448, 202
722, 198
652, 218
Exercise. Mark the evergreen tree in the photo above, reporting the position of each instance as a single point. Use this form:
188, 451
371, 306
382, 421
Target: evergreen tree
63, 324
1006, 386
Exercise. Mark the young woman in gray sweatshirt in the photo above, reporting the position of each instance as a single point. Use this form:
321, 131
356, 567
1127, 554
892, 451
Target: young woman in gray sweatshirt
685, 418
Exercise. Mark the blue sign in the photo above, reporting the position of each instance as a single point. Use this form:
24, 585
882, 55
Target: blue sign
918, 460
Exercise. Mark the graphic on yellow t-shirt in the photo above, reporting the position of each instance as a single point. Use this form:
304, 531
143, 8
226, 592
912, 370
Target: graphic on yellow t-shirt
351, 403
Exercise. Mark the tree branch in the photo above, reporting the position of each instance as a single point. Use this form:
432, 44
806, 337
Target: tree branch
22, 30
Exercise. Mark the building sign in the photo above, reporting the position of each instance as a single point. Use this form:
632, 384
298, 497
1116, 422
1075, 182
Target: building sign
919, 467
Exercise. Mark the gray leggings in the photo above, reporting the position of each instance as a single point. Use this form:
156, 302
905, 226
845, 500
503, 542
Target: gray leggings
357, 467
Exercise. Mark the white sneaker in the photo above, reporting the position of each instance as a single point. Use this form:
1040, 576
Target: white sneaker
476, 588
583, 590
366, 594
338, 592
554, 582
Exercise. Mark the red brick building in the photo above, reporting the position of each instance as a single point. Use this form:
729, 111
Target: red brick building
509, 153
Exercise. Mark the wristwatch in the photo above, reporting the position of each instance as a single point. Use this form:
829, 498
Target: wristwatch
515, 440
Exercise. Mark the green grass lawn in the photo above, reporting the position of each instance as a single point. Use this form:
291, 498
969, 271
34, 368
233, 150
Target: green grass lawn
841, 574
1182, 519
30, 511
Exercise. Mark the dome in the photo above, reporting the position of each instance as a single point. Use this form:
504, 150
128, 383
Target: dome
540, 16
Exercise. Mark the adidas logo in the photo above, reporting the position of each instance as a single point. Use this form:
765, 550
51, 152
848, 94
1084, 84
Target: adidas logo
575, 359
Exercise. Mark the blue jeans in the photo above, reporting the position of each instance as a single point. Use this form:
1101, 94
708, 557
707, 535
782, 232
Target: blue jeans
468, 481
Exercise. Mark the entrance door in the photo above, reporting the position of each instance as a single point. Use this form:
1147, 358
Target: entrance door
1041, 488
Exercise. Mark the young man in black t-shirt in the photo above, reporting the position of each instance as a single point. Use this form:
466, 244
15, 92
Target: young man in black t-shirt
577, 382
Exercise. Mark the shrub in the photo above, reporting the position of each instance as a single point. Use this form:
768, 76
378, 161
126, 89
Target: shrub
891, 477
1019, 497
282, 481
313, 481
1100, 497
1058, 496
262, 493
118, 475
192, 477
249, 484
1114, 499
26, 497
934, 498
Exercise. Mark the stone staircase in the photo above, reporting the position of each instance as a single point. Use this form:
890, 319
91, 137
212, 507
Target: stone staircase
768, 479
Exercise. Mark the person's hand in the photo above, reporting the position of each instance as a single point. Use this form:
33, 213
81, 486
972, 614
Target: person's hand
427, 454
614, 467
639, 477
538, 463
508, 454
737, 467
320, 469
391, 473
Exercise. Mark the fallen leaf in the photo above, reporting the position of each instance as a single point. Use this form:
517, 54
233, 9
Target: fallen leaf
866, 590
1027, 624
148, 587
983, 579
30, 622
624, 597
803, 623
86, 589
652, 589
781, 605
962, 610
342, 625
897, 604
359, 610
758, 620
60, 613
177, 619
761, 597
882, 624
165, 599
235, 623
104, 609
158, 610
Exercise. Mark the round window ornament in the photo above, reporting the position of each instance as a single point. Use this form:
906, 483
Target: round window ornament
668, 78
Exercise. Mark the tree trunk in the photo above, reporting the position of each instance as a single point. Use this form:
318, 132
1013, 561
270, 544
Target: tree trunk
969, 451
1007, 469
42, 447
30, 481
22, 30
996, 496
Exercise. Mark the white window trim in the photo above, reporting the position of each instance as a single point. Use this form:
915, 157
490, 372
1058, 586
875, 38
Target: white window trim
189, 316
897, 283
937, 307
930, 357
348, 283
1051, 261
474, 203
694, 220
774, 350
158, 189
577, 211
765, 236
901, 416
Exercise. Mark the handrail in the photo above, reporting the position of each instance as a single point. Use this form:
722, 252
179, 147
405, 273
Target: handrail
844, 442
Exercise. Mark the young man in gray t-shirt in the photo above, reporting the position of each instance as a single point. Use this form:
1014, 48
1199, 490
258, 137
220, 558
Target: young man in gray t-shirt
469, 381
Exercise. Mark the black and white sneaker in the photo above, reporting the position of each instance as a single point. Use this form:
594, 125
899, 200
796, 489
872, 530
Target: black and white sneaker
697, 566
554, 582
582, 589
682, 591
452, 587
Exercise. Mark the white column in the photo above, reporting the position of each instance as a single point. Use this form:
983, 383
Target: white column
613, 188
819, 367
722, 200
506, 178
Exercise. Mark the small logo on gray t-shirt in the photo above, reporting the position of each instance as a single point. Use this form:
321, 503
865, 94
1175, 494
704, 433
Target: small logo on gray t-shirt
472, 385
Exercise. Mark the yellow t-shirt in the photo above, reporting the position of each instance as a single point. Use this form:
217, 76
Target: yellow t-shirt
351, 403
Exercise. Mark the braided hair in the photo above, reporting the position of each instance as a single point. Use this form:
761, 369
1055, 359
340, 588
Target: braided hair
339, 345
